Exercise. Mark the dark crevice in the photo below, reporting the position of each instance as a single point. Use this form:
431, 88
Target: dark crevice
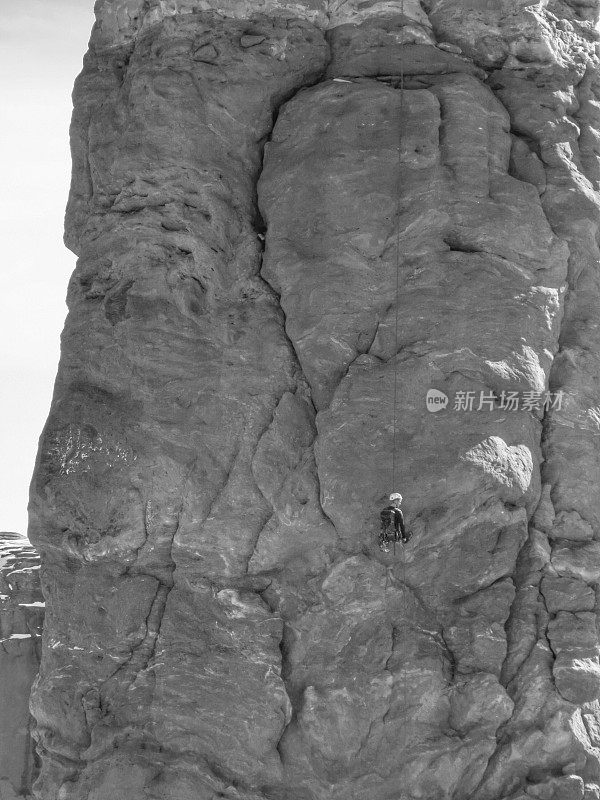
387, 668
294, 695
141, 655
256, 538
457, 246
450, 657
262, 233
507, 678
258, 222
532, 144
224, 482
100, 703
261, 230
121, 62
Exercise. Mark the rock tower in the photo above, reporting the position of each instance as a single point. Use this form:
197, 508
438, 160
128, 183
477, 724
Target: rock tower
294, 219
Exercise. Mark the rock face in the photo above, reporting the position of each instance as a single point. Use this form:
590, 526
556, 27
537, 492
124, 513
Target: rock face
293, 220
21, 620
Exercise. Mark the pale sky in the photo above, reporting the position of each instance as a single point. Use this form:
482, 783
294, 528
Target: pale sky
42, 43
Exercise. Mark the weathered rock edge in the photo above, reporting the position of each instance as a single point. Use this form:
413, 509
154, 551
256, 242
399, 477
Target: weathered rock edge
21, 621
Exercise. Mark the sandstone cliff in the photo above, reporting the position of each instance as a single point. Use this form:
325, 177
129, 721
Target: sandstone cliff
21, 619
260, 189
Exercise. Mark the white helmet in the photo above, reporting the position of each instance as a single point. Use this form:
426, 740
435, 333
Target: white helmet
395, 496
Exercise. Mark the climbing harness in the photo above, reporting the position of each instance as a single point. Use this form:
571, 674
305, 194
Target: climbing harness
392, 516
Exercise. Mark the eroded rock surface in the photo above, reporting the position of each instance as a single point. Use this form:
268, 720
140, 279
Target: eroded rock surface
283, 211
21, 621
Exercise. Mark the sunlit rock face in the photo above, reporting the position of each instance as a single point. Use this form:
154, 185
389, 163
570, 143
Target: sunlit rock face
293, 221
21, 620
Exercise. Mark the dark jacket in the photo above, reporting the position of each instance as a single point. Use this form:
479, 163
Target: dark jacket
391, 514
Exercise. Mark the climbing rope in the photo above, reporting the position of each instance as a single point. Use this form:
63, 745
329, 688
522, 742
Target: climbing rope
401, 115
398, 188
397, 300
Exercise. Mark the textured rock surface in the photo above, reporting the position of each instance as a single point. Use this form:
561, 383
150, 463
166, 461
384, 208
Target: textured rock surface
251, 183
21, 620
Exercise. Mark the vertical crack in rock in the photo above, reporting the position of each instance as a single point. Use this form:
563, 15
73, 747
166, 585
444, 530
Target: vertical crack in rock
285, 678
263, 230
303, 388
450, 657
391, 673
256, 538
141, 655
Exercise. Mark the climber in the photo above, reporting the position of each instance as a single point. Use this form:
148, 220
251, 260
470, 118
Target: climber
392, 514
